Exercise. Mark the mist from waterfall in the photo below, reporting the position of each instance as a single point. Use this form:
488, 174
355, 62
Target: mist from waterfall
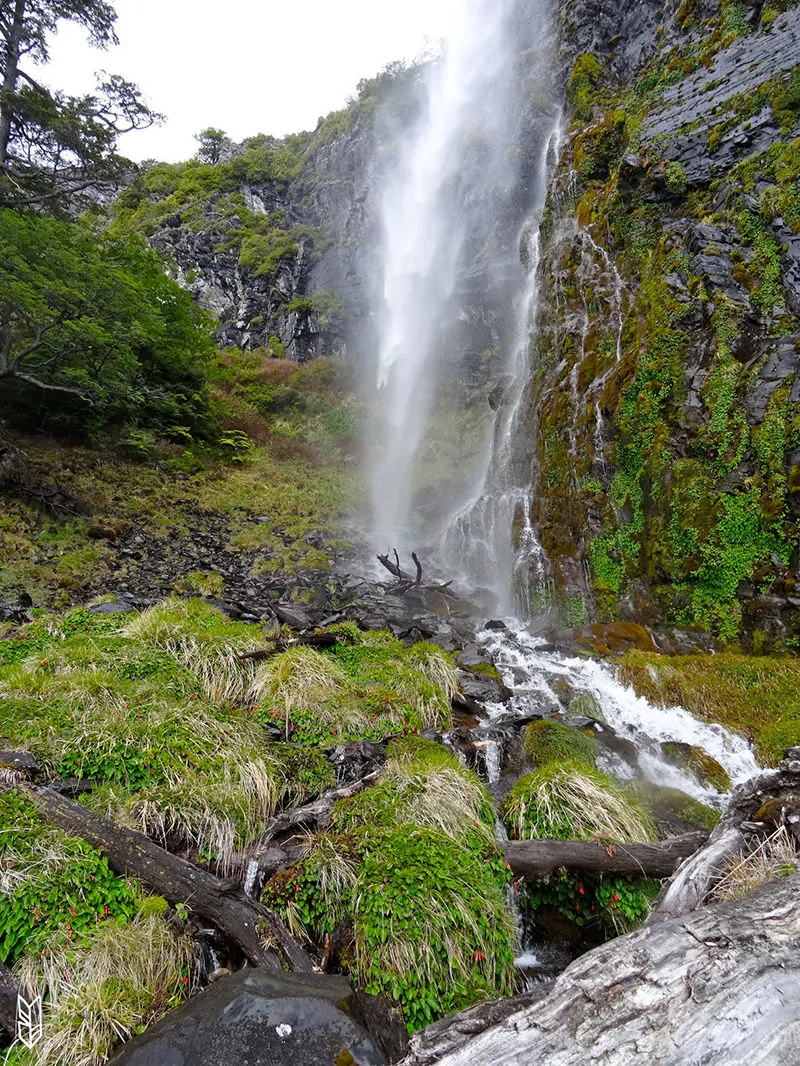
456, 185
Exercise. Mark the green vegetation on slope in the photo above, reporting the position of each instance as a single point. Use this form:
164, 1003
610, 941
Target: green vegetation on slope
759, 695
410, 867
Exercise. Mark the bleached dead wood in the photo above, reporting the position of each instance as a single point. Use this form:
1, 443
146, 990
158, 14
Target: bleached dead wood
717, 987
756, 807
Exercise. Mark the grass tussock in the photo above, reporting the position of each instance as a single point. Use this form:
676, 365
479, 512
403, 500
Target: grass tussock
571, 802
547, 741
102, 992
753, 694
774, 857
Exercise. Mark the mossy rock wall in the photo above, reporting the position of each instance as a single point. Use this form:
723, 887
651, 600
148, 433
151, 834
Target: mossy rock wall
667, 360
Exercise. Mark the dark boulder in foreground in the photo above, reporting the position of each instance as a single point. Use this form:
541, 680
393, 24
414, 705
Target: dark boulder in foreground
261, 1020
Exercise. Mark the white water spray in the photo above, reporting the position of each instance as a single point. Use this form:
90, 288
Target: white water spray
492, 535
531, 670
426, 222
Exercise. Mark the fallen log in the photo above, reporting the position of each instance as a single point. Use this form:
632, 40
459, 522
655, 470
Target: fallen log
537, 858
756, 808
719, 986
312, 815
9, 990
221, 903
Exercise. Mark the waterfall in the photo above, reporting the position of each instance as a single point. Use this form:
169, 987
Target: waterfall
492, 535
455, 194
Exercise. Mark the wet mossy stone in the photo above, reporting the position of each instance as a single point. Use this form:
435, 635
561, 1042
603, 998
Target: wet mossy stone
699, 763
586, 705
547, 742
669, 804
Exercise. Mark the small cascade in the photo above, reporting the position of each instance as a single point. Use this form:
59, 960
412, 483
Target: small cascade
531, 668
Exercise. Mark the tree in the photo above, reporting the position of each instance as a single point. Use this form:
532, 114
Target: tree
213, 142
93, 317
51, 144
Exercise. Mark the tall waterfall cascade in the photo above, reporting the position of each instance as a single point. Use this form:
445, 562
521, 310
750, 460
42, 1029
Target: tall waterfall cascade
464, 200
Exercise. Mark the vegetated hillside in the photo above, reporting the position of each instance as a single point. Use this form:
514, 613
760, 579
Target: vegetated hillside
667, 390
253, 512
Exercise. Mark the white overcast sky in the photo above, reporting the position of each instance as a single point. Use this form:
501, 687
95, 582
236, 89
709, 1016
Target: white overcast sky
247, 66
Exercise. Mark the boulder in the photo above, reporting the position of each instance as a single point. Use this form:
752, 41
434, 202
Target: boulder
258, 1019
704, 767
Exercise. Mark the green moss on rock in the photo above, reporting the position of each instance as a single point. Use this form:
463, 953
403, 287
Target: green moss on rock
547, 741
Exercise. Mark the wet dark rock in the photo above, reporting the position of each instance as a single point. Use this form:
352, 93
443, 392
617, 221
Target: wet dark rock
113, 607
256, 1018
496, 625
292, 616
355, 760
483, 689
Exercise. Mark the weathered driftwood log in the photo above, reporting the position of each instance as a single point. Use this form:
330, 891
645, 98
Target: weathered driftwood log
758, 805
405, 581
18, 766
241, 919
719, 986
536, 858
312, 815
8, 1000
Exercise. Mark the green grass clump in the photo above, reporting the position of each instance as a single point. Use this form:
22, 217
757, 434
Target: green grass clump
122, 977
757, 694
429, 916
424, 785
547, 742
51, 883
432, 929
155, 710
371, 687
571, 802
412, 865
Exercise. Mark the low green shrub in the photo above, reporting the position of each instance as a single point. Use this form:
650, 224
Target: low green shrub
51, 884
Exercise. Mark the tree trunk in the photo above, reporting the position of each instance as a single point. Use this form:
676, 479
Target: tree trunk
10, 74
8, 1000
241, 919
719, 986
537, 858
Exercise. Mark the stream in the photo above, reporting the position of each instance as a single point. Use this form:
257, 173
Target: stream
539, 678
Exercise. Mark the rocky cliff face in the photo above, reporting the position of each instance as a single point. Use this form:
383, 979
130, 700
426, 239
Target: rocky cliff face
667, 388
665, 407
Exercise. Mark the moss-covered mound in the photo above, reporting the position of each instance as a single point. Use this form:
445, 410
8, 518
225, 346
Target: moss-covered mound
671, 801
547, 741
571, 802
164, 715
743, 692
585, 706
411, 868
700, 764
